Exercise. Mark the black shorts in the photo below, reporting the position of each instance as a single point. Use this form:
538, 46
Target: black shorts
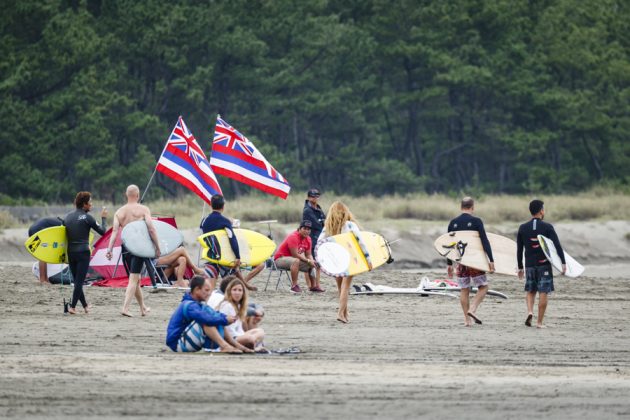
133, 264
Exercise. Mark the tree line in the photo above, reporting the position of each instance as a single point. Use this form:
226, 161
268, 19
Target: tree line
352, 96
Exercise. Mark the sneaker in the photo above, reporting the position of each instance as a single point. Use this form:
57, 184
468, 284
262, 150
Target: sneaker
296, 289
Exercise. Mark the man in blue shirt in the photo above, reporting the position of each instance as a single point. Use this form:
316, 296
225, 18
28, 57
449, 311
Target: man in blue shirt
194, 325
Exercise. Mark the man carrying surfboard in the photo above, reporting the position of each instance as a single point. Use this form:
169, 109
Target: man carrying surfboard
39, 225
538, 273
468, 277
131, 212
217, 221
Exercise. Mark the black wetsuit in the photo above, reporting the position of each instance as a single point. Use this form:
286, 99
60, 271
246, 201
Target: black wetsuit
78, 225
466, 221
317, 217
527, 239
44, 223
217, 221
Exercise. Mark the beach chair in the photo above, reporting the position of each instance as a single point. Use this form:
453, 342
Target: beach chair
270, 264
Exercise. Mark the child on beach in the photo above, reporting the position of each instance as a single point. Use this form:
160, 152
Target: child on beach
235, 304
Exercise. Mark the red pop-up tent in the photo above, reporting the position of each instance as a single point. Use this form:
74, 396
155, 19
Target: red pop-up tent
113, 271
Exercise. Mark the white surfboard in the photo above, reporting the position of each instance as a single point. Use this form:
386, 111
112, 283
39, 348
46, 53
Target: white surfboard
372, 289
574, 268
135, 237
333, 258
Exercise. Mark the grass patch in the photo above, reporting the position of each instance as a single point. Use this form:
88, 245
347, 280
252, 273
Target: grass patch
598, 204
7, 220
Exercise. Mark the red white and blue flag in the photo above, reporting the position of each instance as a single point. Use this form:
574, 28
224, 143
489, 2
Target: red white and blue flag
234, 156
184, 161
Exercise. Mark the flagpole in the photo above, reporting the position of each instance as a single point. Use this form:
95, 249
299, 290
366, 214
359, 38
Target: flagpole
156, 164
203, 214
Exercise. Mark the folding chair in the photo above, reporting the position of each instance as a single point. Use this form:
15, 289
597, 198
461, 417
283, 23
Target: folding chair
156, 273
271, 265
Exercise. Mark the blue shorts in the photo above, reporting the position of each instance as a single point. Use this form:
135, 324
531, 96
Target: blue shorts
539, 279
194, 339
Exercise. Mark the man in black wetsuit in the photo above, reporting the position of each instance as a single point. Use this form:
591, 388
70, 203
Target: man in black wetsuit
42, 224
78, 225
467, 276
538, 273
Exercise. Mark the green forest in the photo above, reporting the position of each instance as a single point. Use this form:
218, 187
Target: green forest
351, 96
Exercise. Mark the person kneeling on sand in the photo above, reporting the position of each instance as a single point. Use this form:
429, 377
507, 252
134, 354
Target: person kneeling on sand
194, 325
235, 304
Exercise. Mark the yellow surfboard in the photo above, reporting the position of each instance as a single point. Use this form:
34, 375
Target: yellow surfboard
255, 248
50, 245
341, 255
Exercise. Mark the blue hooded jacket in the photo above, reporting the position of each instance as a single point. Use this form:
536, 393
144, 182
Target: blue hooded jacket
190, 310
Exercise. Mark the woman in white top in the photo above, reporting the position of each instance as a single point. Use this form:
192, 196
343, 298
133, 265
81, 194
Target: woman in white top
235, 304
340, 220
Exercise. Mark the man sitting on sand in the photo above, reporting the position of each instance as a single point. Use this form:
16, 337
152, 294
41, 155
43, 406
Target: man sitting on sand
538, 273
193, 325
131, 212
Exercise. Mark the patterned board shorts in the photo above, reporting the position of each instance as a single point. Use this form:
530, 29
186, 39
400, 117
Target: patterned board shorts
467, 277
194, 339
539, 279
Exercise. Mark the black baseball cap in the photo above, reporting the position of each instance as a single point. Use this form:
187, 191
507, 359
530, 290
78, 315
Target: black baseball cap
306, 223
313, 192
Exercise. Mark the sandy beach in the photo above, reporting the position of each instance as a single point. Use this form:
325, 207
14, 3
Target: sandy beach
400, 357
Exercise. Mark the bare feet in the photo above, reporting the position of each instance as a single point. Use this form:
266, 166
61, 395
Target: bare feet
71, 310
145, 311
541, 326
528, 321
473, 316
251, 287
341, 318
230, 350
127, 314
87, 309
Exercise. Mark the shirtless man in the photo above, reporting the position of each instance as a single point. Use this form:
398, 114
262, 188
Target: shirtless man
131, 212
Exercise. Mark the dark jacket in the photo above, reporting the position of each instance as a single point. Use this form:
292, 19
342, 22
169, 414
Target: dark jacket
317, 217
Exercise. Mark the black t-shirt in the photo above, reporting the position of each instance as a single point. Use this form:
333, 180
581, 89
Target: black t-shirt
78, 225
527, 239
466, 221
44, 223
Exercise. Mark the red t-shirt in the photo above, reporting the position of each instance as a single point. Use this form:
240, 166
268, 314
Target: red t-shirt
293, 240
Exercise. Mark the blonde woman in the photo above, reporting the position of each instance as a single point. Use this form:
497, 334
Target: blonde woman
235, 304
341, 220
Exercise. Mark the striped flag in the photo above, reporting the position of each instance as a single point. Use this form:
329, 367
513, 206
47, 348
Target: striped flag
184, 161
234, 156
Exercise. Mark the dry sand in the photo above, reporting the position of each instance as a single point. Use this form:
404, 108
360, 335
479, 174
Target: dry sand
401, 356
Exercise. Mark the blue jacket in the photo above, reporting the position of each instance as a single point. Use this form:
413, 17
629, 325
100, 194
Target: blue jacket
190, 310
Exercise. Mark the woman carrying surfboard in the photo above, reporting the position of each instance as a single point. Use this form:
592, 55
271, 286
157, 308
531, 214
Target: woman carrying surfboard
340, 220
78, 225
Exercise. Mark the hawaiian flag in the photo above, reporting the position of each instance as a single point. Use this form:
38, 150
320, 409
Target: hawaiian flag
184, 161
234, 156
